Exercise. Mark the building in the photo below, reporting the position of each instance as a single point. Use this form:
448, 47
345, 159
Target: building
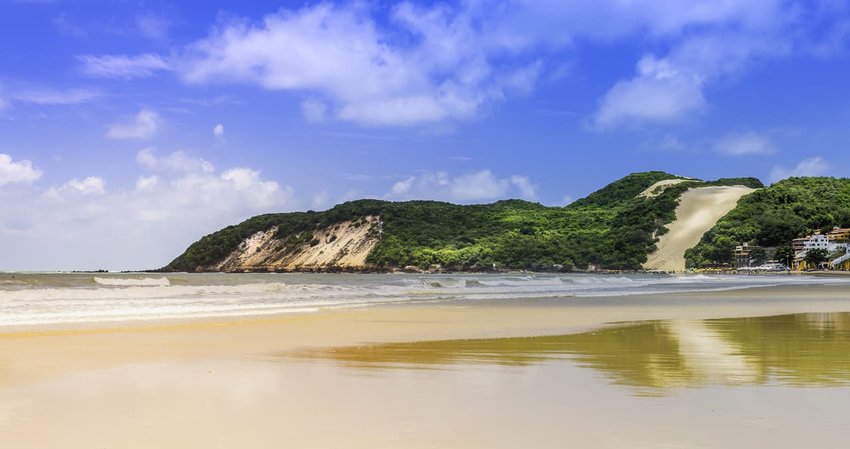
839, 235
742, 255
832, 242
797, 244
817, 241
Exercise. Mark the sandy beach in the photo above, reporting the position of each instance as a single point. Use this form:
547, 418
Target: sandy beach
340, 379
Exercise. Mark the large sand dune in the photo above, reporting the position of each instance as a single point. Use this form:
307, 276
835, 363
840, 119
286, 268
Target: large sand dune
698, 211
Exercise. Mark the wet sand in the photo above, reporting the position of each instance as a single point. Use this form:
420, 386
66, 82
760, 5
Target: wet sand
673, 372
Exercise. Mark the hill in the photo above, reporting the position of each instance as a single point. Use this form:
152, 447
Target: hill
613, 228
773, 216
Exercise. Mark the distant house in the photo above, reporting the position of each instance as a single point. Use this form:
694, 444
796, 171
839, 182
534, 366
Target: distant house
742, 255
839, 235
817, 241
832, 242
797, 244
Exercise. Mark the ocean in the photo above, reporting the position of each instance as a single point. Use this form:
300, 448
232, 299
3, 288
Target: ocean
29, 299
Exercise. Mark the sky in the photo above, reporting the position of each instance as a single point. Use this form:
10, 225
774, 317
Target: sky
129, 129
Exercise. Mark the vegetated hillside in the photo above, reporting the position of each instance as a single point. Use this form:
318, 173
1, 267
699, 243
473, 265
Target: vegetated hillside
611, 228
773, 216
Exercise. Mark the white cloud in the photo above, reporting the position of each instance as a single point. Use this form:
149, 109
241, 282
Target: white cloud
17, 172
92, 185
480, 185
524, 187
669, 89
342, 54
814, 166
218, 132
122, 66
410, 64
660, 93
47, 96
144, 126
147, 183
83, 225
177, 161
745, 144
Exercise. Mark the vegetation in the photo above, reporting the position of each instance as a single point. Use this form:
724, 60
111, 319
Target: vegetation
773, 216
612, 228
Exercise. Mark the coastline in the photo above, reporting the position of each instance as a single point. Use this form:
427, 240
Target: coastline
464, 374
40, 352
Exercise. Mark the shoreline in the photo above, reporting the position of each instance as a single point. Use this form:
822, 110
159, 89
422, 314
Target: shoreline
32, 355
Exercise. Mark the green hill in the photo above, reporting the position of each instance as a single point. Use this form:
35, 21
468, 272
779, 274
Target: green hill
613, 228
773, 216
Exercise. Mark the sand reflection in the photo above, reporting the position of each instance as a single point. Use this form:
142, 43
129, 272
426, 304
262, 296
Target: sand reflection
800, 350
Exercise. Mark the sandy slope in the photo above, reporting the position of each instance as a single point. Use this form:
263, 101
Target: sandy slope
659, 187
698, 211
343, 245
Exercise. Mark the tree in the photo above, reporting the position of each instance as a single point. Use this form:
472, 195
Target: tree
784, 253
814, 257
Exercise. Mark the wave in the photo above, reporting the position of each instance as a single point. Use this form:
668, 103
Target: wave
133, 282
75, 298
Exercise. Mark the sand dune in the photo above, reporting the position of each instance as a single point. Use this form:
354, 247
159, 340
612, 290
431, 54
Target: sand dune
698, 211
659, 187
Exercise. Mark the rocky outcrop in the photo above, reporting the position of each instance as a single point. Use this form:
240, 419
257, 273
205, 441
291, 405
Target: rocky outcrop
341, 246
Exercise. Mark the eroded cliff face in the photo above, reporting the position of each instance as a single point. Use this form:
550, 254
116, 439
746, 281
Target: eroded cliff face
342, 246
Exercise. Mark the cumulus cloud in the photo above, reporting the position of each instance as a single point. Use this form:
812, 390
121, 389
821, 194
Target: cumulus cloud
147, 183
411, 63
177, 161
122, 66
218, 132
361, 71
745, 144
480, 185
17, 172
92, 185
814, 166
660, 93
84, 225
670, 88
143, 126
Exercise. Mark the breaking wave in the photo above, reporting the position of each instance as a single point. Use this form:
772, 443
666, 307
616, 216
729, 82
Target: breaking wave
40, 299
133, 282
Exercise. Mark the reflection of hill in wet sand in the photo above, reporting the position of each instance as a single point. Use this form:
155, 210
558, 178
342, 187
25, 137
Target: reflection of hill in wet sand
698, 211
806, 349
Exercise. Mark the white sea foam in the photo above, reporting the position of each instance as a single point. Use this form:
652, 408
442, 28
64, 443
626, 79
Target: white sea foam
71, 298
133, 282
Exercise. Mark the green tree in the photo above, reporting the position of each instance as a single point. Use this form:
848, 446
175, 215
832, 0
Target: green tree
814, 257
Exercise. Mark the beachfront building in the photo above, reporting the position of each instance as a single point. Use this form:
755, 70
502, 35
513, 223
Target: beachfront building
839, 235
817, 241
797, 244
742, 255
835, 242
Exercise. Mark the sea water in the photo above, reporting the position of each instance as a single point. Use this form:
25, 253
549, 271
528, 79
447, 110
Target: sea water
59, 298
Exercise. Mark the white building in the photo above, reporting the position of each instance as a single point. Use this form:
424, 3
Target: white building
818, 241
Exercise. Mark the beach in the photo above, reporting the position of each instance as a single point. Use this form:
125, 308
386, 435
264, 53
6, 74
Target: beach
672, 369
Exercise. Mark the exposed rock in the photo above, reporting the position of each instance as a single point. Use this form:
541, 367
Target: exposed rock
341, 246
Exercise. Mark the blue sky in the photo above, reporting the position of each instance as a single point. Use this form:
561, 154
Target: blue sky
129, 129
